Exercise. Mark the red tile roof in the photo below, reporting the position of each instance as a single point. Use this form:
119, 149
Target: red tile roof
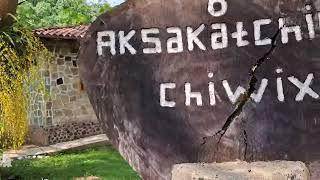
71, 32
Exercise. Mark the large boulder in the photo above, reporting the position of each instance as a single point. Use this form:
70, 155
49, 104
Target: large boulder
125, 89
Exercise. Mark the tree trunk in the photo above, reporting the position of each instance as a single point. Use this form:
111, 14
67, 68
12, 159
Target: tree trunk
7, 7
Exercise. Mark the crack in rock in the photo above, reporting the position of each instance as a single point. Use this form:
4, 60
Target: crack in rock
250, 90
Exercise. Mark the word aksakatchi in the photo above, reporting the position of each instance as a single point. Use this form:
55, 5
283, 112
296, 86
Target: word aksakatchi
119, 42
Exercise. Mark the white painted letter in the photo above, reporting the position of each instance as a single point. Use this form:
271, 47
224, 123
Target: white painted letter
124, 42
310, 23
280, 86
177, 40
213, 12
111, 43
240, 34
212, 94
189, 95
304, 87
163, 101
258, 96
233, 96
193, 38
257, 32
286, 30
147, 39
215, 36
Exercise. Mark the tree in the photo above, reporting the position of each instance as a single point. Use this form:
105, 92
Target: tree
7, 9
50, 13
22, 56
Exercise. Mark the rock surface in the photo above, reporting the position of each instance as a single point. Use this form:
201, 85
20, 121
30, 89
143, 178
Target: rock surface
124, 89
280, 170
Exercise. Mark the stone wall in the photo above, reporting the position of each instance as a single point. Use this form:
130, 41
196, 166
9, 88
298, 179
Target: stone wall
66, 109
69, 102
63, 133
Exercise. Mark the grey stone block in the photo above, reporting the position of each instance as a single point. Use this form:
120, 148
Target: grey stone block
275, 170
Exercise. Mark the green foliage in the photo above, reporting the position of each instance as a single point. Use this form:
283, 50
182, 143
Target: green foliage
50, 13
20, 55
103, 162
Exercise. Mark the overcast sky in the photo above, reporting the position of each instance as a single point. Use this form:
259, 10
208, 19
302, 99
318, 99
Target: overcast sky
111, 2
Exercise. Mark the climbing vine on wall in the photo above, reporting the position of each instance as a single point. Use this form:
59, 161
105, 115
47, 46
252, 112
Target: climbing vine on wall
21, 56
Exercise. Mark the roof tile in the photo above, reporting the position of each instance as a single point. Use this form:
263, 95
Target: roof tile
71, 32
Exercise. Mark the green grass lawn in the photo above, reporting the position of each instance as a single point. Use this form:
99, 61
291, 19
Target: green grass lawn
103, 162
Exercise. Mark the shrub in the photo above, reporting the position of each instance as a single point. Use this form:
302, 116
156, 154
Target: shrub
21, 55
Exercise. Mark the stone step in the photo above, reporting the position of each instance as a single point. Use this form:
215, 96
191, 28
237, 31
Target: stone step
34, 151
242, 171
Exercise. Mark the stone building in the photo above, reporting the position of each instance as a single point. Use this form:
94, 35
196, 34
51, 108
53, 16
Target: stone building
65, 113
